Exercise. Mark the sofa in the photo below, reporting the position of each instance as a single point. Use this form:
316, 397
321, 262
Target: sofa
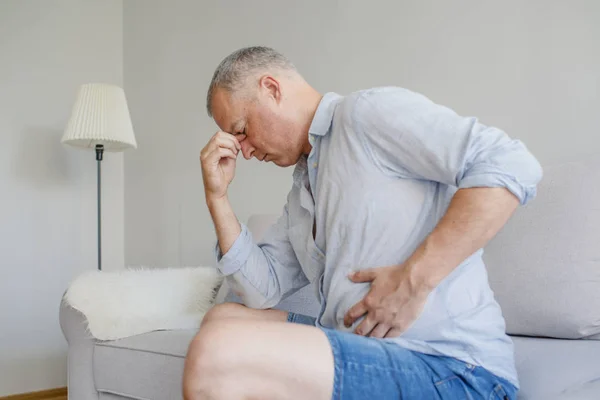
544, 268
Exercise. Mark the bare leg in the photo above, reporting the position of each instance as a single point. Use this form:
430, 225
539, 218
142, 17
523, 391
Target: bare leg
254, 354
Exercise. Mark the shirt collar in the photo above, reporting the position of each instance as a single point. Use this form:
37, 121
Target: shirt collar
324, 115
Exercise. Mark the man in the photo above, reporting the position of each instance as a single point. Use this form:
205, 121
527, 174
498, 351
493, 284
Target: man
393, 198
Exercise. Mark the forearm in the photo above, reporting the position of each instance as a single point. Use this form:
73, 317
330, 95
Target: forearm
474, 216
226, 223
240, 260
261, 274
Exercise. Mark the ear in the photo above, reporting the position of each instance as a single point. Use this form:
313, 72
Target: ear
271, 87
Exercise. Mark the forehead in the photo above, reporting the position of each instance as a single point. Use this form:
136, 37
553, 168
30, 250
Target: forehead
226, 110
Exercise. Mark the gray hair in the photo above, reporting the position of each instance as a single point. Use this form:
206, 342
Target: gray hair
233, 71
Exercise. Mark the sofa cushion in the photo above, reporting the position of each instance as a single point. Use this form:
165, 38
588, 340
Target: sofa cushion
555, 369
147, 366
544, 266
150, 366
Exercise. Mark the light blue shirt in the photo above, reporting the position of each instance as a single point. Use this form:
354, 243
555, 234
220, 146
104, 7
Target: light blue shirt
383, 168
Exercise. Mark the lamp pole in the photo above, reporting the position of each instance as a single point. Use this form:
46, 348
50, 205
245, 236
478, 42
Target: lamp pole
99, 153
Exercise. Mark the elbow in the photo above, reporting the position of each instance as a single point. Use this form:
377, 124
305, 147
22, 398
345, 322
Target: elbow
272, 298
538, 171
530, 179
253, 298
528, 168
244, 291
511, 166
260, 303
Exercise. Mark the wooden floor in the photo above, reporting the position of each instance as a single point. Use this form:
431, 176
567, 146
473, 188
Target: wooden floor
52, 394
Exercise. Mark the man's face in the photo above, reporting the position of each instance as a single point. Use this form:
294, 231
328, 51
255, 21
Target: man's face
272, 134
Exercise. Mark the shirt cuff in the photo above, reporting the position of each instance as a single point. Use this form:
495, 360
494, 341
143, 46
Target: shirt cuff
230, 262
494, 179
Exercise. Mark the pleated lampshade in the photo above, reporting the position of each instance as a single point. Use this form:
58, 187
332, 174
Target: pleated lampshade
100, 116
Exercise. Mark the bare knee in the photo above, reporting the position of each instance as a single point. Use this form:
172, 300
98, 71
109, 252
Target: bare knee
205, 372
211, 361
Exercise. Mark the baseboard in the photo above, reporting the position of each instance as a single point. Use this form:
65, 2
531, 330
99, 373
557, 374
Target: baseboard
44, 394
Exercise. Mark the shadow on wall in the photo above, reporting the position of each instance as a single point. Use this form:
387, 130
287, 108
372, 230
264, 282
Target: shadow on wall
42, 160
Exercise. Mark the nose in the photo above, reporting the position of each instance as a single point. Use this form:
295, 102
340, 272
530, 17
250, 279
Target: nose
247, 149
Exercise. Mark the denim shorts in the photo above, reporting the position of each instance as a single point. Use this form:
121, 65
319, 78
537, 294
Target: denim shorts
370, 368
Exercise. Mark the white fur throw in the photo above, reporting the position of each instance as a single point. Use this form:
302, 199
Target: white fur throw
124, 303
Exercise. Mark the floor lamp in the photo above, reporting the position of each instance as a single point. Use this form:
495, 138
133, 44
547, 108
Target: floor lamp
100, 120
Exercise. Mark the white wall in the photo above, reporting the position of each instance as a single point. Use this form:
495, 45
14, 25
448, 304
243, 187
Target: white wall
529, 67
48, 191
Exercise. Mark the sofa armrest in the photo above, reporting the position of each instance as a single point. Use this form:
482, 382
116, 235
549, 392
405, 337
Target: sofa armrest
80, 375
130, 302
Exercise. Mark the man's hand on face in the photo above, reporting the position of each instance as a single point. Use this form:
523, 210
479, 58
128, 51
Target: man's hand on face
218, 159
393, 303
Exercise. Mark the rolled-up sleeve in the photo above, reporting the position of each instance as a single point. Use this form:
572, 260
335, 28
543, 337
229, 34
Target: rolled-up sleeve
262, 274
230, 262
410, 136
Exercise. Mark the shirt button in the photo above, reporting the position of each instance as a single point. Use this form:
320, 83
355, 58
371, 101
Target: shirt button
315, 165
